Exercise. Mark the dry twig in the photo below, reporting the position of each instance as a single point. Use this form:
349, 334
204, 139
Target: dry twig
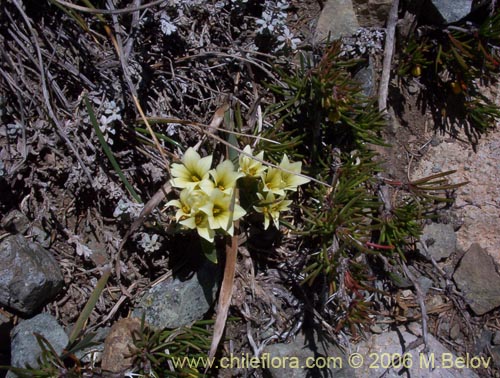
388, 52
421, 303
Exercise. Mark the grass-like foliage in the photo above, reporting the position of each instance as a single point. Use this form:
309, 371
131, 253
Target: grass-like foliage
361, 220
452, 63
172, 353
324, 105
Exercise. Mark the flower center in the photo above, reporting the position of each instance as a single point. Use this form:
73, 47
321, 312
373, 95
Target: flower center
195, 178
217, 210
185, 209
198, 219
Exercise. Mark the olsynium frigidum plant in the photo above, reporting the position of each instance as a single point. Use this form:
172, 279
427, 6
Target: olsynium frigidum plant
205, 201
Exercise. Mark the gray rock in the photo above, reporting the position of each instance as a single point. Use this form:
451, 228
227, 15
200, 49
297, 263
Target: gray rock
176, 303
365, 77
25, 349
495, 355
455, 332
483, 342
29, 275
337, 19
304, 350
372, 13
478, 280
377, 351
452, 11
16, 222
425, 284
40, 236
496, 338
414, 87
440, 239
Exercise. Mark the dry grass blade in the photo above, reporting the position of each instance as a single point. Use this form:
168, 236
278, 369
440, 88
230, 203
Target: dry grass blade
87, 310
107, 11
226, 290
230, 265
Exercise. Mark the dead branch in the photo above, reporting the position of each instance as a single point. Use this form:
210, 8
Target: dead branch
388, 52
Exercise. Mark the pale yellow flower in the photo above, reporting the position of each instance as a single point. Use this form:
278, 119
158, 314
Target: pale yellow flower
290, 181
271, 207
272, 181
188, 204
199, 220
224, 178
192, 171
218, 211
249, 166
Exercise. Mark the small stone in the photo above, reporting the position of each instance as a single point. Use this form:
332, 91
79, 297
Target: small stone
440, 240
372, 13
397, 343
16, 222
413, 88
435, 301
452, 11
119, 349
337, 19
303, 348
425, 284
365, 77
436, 168
176, 303
495, 356
40, 236
25, 349
496, 338
29, 275
455, 332
483, 342
379, 328
478, 280
407, 294
435, 141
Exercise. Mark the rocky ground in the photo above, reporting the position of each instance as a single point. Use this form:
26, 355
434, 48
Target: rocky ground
65, 211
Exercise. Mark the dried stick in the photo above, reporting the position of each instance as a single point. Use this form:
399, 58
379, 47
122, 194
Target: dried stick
388, 51
421, 303
135, 19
